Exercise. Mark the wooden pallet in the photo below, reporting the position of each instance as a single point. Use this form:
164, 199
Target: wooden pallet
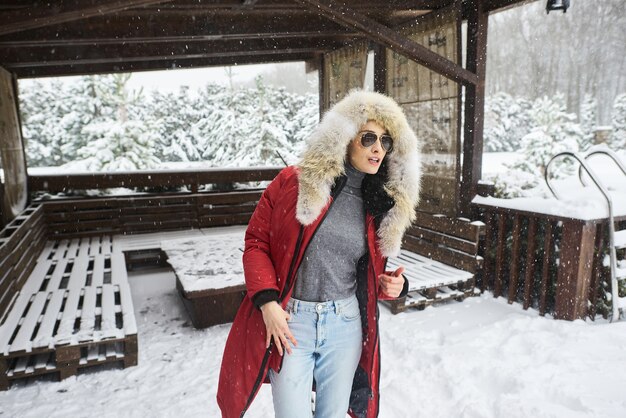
430, 281
71, 313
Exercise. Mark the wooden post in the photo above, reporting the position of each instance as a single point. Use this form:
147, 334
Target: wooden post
574, 273
14, 197
474, 105
380, 69
322, 86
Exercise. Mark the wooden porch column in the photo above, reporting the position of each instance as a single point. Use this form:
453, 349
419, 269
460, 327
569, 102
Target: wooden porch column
474, 105
14, 194
574, 272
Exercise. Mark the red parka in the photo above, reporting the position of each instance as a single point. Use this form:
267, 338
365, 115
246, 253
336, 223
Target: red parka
274, 245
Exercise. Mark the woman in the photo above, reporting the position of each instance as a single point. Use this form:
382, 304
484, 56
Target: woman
314, 262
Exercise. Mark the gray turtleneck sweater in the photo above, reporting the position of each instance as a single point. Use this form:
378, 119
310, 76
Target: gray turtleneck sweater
328, 269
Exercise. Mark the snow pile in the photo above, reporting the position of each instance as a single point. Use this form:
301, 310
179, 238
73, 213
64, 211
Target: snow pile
479, 358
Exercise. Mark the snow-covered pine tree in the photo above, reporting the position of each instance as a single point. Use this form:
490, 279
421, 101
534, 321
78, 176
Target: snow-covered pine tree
618, 138
120, 142
588, 121
554, 131
174, 116
303, 121
507, 120
266, 135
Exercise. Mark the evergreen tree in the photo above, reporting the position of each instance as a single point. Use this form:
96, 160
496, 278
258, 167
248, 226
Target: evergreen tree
119, 141
618, 138
588, 121
554, 131
507, 120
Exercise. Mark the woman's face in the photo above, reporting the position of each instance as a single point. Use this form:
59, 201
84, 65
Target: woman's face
367, 159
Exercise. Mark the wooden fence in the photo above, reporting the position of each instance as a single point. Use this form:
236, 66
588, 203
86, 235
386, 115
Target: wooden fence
552, 263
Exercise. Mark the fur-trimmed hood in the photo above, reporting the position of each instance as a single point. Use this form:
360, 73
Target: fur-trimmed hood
324, 158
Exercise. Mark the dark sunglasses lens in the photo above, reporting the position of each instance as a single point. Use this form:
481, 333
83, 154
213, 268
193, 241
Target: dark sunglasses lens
368, 139
386, 142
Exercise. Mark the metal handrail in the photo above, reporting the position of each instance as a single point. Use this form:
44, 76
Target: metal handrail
609, 153
613, 256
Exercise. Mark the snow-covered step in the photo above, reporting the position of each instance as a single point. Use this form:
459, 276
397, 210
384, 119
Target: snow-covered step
620, 273
620, 239
621, 302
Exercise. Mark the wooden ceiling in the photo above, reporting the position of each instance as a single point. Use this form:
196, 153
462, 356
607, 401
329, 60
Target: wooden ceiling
69, 37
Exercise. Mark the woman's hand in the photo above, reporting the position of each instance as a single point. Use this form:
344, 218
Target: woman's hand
392, 282
275, 319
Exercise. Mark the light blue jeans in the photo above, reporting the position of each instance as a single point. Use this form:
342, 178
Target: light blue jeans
329, 337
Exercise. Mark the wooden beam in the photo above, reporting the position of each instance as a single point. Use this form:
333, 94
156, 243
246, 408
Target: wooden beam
46, 56
474, 107
148, 65
205, 27
392, 39
57, 12
144, 40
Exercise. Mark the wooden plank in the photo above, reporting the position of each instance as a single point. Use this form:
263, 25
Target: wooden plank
57, 275
12, 321
47, 15
60, 250
574, 276
223, 220
529, 273
26, 263
36, 278
229, 198
476, 63
128, 313
88, 314
454, 258
500, 245
118, 268
596, 270
486, 282
97, 275
469, 247
545, 272
22, 341
14, 235
228, 209
44, 334
65, 217
514, 260
108, 324
72, 249
78, 275
455, 227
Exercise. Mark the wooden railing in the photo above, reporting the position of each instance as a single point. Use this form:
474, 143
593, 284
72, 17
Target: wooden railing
54, 183
153, 211
552, 263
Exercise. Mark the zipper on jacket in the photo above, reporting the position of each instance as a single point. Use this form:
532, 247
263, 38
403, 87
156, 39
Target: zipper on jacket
258, 379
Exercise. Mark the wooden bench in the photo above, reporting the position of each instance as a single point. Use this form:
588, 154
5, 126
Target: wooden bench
440, 256
209, 274
73, 311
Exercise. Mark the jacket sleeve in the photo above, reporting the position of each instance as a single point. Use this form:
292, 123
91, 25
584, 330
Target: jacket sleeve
259, 272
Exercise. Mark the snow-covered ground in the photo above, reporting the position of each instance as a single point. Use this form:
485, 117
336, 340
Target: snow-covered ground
479, 358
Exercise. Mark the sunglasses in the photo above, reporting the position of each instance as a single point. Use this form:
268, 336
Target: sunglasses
369, 138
